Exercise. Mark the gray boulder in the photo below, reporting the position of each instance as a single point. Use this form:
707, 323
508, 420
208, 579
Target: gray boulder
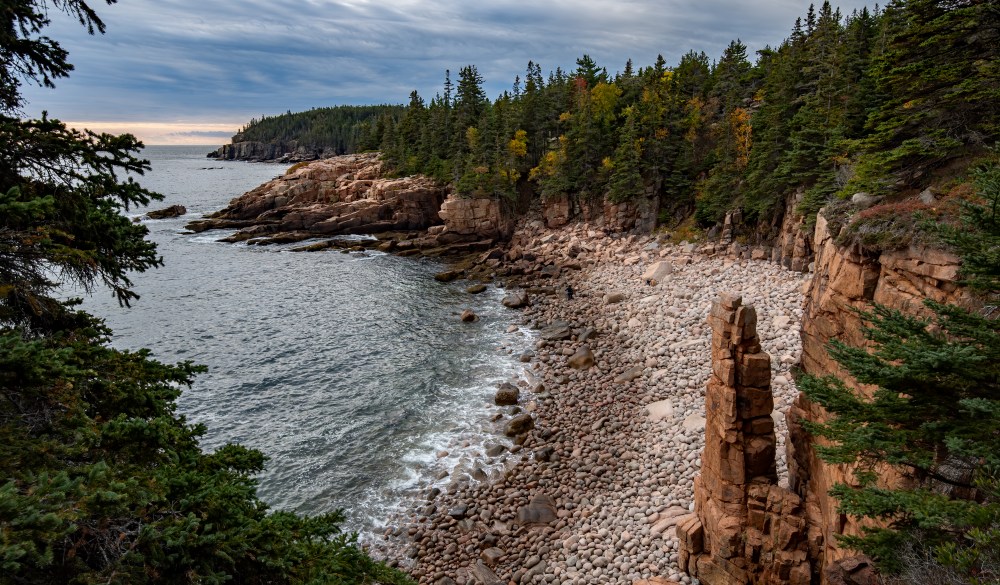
556, 331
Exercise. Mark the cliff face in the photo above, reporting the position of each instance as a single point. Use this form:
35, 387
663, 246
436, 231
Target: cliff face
746, 529
847, 279
637, 216
290, 151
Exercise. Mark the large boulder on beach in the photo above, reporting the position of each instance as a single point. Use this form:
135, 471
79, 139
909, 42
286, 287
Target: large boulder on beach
657, 272
556, 331
613, 298
629, 374
540, 510
521, 423
507, 395
516, 299
492, 555
582, 359
550, 271
661, 410
483, 574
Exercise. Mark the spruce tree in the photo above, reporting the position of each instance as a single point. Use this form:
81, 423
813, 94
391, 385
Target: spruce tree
626, 181
938, 75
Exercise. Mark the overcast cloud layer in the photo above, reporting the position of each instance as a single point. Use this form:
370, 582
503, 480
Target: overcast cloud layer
196, 70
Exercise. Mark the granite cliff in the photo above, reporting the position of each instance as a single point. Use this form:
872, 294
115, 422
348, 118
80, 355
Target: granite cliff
279, 151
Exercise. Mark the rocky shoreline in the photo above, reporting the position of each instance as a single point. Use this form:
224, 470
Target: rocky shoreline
612, 408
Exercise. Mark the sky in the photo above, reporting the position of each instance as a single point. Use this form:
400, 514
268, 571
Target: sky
195, 71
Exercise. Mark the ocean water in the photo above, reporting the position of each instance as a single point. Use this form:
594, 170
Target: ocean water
352, 372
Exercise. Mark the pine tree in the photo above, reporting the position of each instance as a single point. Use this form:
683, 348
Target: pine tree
732, 87
935, 415
978, 238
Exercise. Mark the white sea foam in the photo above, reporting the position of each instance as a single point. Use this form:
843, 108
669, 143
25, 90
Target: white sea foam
459, 448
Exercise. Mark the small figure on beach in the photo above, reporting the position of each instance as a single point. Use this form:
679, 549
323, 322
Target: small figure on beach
569, 293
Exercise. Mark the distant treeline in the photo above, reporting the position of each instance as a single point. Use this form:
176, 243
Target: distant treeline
874, 101
341, 128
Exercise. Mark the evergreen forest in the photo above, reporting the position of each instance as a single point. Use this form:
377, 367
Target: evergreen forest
882, 101
339, 128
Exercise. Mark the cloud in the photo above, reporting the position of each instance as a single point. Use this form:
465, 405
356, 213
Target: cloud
175, 132
203, 134
200, 62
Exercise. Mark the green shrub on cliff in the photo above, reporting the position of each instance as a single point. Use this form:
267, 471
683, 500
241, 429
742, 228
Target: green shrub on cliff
978, 240
101, 480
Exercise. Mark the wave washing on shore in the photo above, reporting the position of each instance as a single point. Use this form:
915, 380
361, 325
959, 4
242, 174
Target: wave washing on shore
351, 372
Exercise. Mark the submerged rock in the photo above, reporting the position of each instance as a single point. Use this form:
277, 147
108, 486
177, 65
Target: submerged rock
507, 395
447, 275
167, 212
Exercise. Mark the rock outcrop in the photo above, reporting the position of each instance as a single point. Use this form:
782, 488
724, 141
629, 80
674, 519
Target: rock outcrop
793, 247
167, 212
476, 217
351, 195
342, 195
746, 529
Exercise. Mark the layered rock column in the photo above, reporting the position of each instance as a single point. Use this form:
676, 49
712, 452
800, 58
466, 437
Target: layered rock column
745, 528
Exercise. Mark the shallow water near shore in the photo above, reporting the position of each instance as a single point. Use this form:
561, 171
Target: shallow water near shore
352, 372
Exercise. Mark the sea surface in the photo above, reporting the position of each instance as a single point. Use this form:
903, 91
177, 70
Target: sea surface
352, 372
